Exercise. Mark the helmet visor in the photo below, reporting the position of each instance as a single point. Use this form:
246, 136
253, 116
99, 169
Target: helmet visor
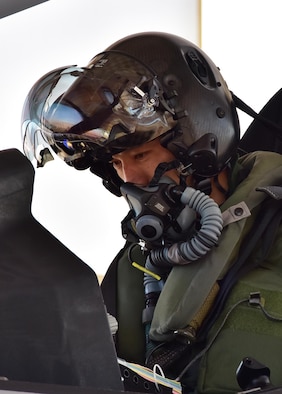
113, 104
40, 97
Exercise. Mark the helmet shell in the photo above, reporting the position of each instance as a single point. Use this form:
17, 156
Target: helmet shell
199, 125
196, 90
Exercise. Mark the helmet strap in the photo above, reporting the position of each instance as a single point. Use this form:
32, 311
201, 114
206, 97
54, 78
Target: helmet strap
161, 169
203, 184
219, 186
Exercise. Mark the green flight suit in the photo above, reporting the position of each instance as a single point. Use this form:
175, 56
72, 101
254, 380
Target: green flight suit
187, 287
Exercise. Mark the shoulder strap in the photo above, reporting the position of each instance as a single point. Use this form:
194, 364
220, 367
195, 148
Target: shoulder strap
266, 225
109, 284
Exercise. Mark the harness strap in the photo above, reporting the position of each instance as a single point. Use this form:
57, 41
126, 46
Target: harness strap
266, 226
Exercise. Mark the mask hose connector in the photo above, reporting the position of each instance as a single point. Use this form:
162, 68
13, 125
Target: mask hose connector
197, 246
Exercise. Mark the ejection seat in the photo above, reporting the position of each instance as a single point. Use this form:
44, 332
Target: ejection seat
265, 131
53, 323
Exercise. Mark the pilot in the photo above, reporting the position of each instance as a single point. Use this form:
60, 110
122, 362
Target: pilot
153, 117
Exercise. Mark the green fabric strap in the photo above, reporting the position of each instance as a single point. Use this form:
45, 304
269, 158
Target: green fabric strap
130, 304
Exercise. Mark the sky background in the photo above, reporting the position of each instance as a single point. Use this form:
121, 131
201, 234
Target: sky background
242, 37
73, 205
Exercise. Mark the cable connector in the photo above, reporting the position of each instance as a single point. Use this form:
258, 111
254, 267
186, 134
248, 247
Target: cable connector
255, 299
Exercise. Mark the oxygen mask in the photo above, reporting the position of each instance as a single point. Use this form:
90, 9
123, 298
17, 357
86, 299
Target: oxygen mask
177, 224
157, 216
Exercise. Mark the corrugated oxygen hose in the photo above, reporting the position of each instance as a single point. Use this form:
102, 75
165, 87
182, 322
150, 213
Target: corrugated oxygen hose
182, 253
